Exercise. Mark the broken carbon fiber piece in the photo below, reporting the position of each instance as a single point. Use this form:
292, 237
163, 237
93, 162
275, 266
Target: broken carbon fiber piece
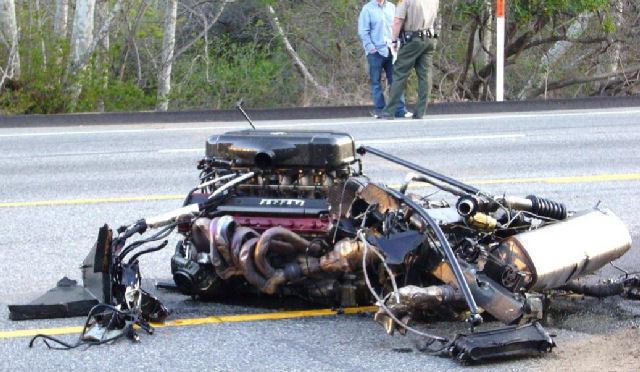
508, 342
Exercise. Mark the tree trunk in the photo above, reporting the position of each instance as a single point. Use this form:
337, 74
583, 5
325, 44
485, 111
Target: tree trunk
84, 44
484, 42
60, 28
612, 59
39, 15
9, 29
618, 16
554, 54
166, 62
61, 20
82, 29
80, 42
102, 16
484, 35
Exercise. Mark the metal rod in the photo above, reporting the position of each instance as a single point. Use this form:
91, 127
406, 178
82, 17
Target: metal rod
231, 184
239, 107
412, 177
415, 167
451, 257
216, 180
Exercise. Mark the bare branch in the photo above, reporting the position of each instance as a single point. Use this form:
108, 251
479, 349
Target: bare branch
324, 92
583, 80
204, 32
131, 41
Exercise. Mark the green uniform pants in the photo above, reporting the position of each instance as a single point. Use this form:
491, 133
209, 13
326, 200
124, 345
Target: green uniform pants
418, 54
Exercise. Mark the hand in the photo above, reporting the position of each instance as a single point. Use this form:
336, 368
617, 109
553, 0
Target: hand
394, 47
374, 50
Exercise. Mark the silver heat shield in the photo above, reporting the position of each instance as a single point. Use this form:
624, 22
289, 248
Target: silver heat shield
571, 248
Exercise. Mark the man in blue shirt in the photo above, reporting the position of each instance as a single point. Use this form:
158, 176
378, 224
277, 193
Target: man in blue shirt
374, 28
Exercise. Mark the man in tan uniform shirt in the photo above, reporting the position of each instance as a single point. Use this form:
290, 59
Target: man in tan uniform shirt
414, 25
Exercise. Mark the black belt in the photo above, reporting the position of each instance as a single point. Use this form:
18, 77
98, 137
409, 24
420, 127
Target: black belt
422, 34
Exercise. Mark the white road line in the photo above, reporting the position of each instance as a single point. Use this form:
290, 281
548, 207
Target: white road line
389, 141
364, 142
180, 129
438, 139
302, 124
178, 151
113, 131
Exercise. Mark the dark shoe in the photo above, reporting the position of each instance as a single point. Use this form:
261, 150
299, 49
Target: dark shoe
385, 115
406, 115
416, 117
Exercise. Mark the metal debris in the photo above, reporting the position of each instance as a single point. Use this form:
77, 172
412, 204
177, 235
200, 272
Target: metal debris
294, 214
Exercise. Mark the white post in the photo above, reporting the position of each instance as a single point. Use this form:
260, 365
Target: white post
500, 34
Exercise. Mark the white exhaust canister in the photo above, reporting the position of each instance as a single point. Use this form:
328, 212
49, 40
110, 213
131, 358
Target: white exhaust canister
556, 254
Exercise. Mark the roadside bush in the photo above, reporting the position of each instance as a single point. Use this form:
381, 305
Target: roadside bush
259, 73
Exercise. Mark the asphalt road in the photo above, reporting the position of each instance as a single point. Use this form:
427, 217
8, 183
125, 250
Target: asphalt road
95, 174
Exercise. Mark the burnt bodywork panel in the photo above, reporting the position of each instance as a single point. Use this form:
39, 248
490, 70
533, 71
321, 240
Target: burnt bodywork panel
66, 300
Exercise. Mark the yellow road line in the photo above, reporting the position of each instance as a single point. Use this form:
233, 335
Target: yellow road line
548, 180
570, 179
44, 331
202, 321
125, 199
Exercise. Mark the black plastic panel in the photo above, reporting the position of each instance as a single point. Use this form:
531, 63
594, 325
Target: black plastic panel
268, 206
510, 342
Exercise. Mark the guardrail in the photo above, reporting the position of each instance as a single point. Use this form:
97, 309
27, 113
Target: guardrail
304, 113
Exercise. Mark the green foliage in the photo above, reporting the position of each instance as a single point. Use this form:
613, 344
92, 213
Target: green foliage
42, 88
261, 75
116, 95
608, 25
39, 90
344, 11
471, 8
524, 11
245, 57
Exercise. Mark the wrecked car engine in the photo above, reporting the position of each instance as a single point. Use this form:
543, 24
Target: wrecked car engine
292, 213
